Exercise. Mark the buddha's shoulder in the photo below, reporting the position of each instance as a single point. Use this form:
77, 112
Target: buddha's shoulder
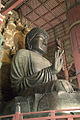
23, 52
35, 57
39, 58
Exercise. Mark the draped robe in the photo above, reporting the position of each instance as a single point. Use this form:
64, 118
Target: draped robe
29, 69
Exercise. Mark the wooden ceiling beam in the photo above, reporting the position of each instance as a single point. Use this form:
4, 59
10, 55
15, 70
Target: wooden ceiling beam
40, 16
53, 19
11, 6
49, 11
33, 10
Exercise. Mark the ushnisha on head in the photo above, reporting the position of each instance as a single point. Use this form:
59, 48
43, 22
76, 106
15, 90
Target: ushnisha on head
36, 40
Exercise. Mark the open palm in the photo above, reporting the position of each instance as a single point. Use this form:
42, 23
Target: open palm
58, 60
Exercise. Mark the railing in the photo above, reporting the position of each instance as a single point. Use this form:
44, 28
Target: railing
67, 114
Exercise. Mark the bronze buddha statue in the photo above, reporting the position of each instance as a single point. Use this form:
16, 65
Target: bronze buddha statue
29, 68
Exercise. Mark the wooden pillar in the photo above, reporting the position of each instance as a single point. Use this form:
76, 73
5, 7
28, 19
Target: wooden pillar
73, 17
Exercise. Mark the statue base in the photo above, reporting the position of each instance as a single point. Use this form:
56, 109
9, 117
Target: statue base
42, 102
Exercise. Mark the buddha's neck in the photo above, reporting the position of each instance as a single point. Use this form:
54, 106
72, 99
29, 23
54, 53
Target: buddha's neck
37, 52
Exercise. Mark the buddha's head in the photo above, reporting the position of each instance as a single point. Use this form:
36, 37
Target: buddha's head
36, 40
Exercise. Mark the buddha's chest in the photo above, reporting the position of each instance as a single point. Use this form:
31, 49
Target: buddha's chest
39, 62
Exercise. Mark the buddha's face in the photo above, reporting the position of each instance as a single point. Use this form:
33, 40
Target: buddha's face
40, 43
